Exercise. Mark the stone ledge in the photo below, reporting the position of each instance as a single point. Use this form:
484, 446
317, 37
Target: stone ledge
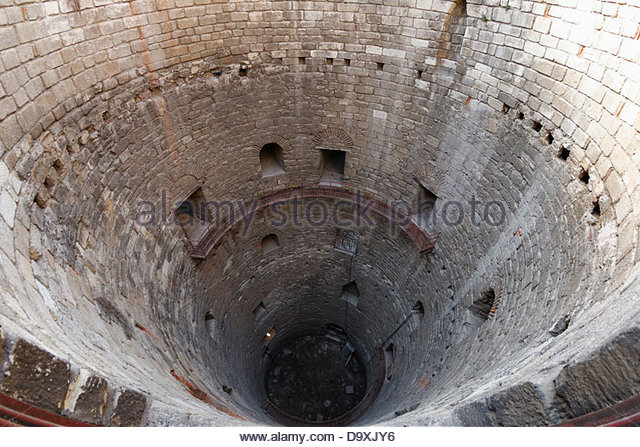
130, 409
518, 406
92, 401
609, 376
36, 377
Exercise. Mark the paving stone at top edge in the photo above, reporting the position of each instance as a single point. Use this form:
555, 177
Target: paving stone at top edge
520, 406
129, 410
476, 414
37, 377
92, 400
609, 376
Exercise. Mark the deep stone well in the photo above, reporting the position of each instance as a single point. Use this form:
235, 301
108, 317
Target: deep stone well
522, 121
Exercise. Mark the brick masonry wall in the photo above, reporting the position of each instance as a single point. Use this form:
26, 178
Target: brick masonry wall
104, 104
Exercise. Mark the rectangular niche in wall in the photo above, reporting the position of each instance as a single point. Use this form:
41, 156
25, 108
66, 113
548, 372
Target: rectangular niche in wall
259, 310
270, 243
351, 294
424, 205
192, 216
347, 242
418, 309
482, 309
210, 324
332, 164
389, 360
271, 160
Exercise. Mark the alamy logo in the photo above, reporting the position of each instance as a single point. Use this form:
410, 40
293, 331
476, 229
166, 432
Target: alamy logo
317, 207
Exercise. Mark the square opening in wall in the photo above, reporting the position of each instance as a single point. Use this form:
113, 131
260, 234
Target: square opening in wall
192, 216
271, 160
351, 294
483, 306
595, 211
482, 309
424, 205
210, 324
536, 126
389, 360
418, 309
332, 163
584, 176
347, 242
549, 138
259, 310
270, 243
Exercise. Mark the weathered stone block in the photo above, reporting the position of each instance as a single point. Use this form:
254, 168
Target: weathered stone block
519, 406
37, 377
129, 410
476, 414
609, 376
92, 400
3, 346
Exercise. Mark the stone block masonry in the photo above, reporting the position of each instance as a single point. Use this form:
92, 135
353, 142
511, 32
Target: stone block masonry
105, 104
36, 377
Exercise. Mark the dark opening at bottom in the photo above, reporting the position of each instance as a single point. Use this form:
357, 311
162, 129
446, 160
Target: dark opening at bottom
316, 378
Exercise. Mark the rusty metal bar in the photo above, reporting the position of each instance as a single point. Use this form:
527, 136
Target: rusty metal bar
28, 415
622, 414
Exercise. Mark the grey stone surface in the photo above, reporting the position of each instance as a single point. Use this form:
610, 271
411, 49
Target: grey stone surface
519, 406
111, 105
91, 403
475, 414
610, 375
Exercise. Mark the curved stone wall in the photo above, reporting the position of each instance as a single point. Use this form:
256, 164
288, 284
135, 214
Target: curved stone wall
109, 108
